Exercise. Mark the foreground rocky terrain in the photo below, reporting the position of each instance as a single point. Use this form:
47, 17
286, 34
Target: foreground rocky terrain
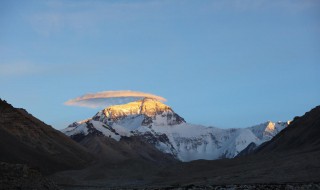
19, 176
293, 186
245, 187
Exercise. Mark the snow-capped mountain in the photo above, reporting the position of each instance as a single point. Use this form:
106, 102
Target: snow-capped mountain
157, 124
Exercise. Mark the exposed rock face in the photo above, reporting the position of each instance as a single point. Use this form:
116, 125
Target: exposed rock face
19, 176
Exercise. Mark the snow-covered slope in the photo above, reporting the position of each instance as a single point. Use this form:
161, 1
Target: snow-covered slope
266, 131
160, 126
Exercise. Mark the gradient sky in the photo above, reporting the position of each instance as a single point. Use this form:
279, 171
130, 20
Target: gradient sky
222, 63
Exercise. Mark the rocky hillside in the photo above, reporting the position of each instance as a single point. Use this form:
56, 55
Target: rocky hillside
302, 134
27, 140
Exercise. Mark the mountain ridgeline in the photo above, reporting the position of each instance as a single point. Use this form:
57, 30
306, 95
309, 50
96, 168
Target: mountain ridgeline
158, 125
139, 144
292, 156
302, 135
27, 140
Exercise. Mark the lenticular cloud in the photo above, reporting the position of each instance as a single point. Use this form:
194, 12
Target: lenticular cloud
108, 98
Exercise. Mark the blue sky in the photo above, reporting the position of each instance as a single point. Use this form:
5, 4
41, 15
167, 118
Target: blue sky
223, 63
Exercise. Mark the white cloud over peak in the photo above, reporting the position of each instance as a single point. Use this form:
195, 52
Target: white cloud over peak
107, 98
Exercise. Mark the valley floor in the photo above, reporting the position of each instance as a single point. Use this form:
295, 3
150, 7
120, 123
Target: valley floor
292, 186
292, 170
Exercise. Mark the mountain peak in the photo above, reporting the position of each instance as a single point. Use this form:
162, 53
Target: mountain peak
157, 124
5, 104
151, 107
147, 106
150, 110
270, 126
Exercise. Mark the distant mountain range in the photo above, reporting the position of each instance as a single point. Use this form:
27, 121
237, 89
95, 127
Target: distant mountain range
142, 144
157, 124
292, 156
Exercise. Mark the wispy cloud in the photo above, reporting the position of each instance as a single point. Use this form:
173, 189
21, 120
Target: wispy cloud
85, 15
19, 69
107, 98
29, 68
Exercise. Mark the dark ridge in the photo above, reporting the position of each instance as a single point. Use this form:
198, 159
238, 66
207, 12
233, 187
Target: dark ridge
248, 150
302, 134
27, 140
4, 105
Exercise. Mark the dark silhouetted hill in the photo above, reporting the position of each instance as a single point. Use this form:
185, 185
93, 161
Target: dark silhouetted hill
303, 134
25, 139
